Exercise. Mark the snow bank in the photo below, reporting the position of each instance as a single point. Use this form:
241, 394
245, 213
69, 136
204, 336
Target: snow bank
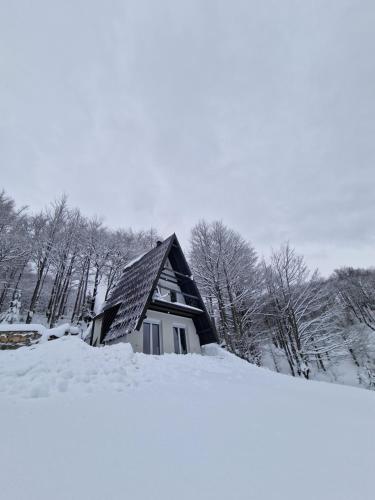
61, 330
66, 364
106, 423
213, 350
70, 365
22, 327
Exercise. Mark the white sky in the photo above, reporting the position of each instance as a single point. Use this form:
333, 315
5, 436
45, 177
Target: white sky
259, 113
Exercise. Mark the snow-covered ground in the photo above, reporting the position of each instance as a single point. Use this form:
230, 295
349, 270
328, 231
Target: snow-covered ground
103, 423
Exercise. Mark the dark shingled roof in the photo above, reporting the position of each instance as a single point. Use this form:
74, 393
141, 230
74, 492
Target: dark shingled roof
134, 289
126, 308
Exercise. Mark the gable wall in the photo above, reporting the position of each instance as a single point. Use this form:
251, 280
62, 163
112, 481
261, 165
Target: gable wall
167, 321
169, 284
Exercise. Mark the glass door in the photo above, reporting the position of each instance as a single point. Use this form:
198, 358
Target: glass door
180, 340
151, 338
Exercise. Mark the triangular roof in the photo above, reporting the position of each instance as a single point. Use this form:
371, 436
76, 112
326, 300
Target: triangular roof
134, 291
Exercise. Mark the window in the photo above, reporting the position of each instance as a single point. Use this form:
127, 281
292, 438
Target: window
173, 296
151, 338
180, 340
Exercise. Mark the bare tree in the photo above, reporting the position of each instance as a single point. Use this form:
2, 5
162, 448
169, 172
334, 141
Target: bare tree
300, 313
14, 245
356, 290
45, 232
63, 262
225, 268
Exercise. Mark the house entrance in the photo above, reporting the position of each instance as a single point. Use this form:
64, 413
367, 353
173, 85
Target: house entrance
180, 341
151, 338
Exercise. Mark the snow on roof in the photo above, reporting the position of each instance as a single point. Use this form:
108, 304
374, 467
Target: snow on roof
102, 304
133, 261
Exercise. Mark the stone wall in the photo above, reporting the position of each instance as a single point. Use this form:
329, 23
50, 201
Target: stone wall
13, 340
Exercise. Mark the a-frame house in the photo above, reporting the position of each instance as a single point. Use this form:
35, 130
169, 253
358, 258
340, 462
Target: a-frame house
156, 306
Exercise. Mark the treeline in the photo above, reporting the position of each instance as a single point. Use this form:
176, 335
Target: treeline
55, 261
279, 309
273, 312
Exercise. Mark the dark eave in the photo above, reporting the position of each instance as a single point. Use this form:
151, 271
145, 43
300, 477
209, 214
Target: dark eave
175, 308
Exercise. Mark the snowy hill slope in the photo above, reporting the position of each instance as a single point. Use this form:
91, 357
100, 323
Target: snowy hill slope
103, 423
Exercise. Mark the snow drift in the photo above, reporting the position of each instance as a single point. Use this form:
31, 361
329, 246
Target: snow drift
104, 423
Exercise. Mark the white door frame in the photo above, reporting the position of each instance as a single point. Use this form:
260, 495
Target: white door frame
183, 326
151, 322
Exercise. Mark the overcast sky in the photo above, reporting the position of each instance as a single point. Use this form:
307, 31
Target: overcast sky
158, 113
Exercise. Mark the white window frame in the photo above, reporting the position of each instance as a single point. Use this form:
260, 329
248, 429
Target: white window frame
151, 322
185, 327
